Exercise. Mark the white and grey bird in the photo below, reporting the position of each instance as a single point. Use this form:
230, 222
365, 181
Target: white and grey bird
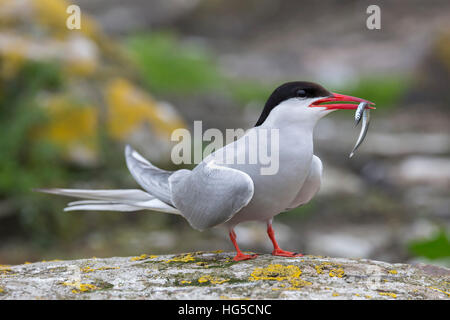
227, 193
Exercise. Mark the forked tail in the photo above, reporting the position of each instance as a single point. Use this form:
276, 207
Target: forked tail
112, 200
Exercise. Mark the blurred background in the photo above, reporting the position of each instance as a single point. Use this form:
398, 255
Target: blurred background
71, 99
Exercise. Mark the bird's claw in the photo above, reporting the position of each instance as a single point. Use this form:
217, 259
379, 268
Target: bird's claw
283, 253
241, 257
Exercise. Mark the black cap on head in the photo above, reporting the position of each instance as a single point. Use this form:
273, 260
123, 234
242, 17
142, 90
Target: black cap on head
295, 89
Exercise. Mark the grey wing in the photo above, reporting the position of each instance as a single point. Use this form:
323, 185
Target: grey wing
154, 180
210, 194
311, 185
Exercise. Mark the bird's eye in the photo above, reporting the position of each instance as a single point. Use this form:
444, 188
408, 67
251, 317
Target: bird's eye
301, 93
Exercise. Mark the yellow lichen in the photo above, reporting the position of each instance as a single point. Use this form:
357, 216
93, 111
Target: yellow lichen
202, 263
212, 280
80, 287
183, 258
276, 272
297, 284
339, 272
185, 281
389, 294
143, 257
89, 269
393, 271
335, 294
203, 279
320, 267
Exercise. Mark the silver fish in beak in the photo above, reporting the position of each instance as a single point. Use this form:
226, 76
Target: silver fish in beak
359, 111
364, 113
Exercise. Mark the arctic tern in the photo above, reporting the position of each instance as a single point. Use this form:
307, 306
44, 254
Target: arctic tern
226, 193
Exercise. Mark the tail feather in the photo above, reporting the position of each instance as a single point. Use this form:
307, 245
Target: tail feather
112, 200
76, 203
116, 194
103, 207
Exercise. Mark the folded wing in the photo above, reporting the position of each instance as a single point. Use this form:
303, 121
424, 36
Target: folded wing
210, 194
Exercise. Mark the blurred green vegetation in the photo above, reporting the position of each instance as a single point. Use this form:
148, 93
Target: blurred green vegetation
25, 162
171, 67
436, 247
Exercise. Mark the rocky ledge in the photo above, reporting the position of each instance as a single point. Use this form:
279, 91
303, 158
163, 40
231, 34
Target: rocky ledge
214, 275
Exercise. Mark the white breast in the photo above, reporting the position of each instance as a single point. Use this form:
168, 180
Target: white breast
274, 193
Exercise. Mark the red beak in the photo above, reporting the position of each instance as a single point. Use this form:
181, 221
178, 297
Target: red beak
341, 98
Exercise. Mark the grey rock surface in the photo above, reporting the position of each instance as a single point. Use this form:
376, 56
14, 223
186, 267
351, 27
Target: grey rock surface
214, 275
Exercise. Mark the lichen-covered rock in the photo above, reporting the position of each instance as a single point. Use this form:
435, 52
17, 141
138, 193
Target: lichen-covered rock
214, 275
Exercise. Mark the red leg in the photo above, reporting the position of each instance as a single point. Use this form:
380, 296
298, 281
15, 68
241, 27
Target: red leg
239, 255
277, 251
